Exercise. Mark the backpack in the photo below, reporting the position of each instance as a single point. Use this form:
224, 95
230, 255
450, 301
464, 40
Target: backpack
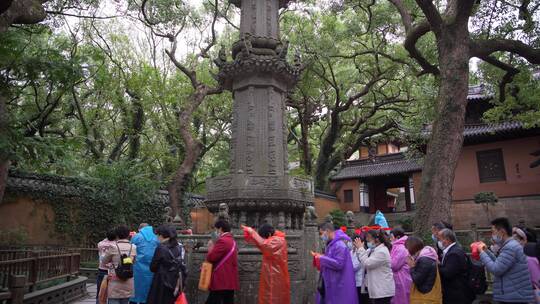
124, 270
176, 272
476, 278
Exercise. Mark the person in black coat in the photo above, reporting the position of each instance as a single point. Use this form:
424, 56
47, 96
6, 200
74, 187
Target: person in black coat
168, 268
454, 269
435, 228
422, 264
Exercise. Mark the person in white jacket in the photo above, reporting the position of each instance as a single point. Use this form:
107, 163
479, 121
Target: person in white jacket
376, 260
359, 271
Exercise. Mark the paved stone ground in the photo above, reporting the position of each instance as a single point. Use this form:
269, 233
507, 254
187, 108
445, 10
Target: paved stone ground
91, 297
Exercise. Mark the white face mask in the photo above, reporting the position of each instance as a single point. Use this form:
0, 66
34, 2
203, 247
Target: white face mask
440, 245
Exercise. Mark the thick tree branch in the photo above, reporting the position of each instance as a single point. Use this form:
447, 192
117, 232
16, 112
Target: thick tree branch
410, 45
90, 143
365, 90
191, 74
483, 48
432, 15
22, 12
406, 18
60, 13
508, 76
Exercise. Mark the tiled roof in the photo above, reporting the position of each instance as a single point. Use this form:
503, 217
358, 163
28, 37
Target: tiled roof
391, 164
478, 92
487, 130
320, 193
490, 129
71, 187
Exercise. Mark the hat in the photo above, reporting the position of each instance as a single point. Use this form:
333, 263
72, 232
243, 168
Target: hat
532, 250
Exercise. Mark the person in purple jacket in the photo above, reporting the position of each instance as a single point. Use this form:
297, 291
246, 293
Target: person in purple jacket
336, 268
400, 268
526, 236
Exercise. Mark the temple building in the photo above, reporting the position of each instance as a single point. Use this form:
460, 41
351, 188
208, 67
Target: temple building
495, 158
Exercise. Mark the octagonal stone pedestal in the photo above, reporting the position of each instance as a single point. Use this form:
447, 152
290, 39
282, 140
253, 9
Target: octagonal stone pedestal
302, 274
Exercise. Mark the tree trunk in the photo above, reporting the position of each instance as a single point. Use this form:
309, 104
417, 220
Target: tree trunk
323, 166
192, 148
21, 12
4, 155
444, 148
305, 156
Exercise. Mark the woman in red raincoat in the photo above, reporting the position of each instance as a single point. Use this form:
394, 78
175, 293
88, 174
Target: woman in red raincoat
274, 284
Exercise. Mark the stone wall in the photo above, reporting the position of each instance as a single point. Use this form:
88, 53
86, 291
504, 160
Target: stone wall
521, 208
34, 217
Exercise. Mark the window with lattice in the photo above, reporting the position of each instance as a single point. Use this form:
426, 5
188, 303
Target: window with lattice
491, 166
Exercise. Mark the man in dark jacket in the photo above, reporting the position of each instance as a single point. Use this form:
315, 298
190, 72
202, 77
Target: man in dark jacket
435, 228
224, 257
454, 270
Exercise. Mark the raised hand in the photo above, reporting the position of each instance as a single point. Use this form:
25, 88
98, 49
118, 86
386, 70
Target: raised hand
358, 243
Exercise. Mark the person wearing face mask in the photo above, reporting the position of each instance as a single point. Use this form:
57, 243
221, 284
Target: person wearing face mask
512, 281
167, 264
336, 268
422, 263
435, 228
453, 270
525, 236
274, 281
224, 257
377, 262
359, 271
399, 265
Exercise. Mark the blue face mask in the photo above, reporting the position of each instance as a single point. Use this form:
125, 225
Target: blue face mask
324, 237
370, 245
434, 238
497, 239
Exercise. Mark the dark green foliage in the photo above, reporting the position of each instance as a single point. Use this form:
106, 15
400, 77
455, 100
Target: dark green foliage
406, 223
338, 217
13, 237
114, 194
485, 198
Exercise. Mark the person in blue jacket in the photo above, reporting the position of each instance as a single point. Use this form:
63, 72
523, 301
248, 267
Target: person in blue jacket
146, 242
512, 282
380, 219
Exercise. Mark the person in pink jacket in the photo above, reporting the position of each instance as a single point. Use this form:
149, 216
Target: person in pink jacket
400, 268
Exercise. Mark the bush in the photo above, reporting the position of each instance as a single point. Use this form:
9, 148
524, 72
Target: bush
485, 198
406, 223
338, 217
13, 237
116, 194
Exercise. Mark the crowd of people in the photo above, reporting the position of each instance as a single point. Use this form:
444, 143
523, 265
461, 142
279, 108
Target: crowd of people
368, 266
376, 266
147, 267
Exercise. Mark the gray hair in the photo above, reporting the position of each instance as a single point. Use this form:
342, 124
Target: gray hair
448, 234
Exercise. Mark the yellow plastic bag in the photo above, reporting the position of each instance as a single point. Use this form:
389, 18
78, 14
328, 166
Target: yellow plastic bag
206, 276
